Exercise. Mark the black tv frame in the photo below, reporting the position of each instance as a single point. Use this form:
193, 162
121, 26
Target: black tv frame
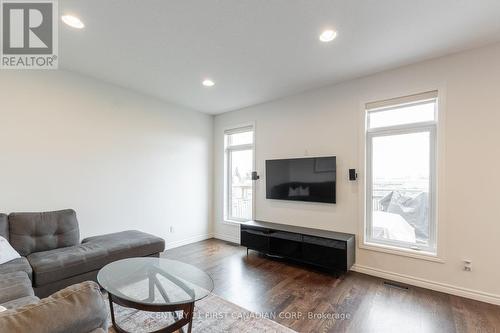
318, 169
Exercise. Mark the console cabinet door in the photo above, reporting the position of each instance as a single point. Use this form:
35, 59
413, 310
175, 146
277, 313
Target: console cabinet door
286, 244
255, 239
325, 252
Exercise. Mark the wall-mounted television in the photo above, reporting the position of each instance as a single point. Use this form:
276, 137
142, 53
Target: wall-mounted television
310, 179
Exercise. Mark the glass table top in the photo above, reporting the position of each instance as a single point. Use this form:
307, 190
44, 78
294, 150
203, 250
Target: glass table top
155, 281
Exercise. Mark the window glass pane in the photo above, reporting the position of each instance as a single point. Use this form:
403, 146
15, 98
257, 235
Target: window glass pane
241, 184
403, 115
241, 138
400, 185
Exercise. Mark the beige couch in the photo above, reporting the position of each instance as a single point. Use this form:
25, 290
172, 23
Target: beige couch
76, 309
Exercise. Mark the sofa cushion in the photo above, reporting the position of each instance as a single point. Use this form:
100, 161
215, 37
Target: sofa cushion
78, 308
13, 286
58, 264
15, 303
130, 243
35, 232
92, 254
4, 226
20, 264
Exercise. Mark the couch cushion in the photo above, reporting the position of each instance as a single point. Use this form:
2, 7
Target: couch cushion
13, 286
58, 264
92, 254
20, 264
4, 226
15, 303
78, 308
35, 232
130, 243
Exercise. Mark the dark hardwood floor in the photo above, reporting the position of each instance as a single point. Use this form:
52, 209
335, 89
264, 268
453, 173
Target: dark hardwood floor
352, 303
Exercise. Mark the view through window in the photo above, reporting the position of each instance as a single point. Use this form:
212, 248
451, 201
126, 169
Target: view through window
401, 170
239, 166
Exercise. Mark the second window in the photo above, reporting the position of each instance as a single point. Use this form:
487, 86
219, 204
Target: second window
401, 172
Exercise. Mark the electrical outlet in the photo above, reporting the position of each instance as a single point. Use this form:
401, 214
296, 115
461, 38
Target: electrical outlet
171, 229
467, 265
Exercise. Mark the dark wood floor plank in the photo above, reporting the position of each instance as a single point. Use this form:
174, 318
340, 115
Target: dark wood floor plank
351, 303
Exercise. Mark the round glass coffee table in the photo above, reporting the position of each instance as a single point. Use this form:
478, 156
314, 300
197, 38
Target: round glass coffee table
155, 285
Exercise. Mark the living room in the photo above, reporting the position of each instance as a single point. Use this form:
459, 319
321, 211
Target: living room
223, 166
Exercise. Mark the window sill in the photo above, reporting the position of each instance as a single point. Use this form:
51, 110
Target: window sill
232, 222
423, 255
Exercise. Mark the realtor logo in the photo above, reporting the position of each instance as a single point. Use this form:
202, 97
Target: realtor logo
29, 34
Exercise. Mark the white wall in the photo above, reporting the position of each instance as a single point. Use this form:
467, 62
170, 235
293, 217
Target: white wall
122, 160
330, 121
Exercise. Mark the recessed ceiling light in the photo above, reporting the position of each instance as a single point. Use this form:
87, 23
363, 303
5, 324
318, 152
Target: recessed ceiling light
327, 36
73, 21
208, 83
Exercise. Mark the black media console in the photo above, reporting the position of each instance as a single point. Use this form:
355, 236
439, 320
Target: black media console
330, 250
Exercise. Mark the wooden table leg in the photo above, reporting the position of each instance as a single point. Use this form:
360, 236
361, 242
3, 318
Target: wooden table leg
187, 317
111, 309
190, 318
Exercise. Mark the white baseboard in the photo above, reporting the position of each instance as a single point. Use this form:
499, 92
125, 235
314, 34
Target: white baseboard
186, 241
227, 238
423, 283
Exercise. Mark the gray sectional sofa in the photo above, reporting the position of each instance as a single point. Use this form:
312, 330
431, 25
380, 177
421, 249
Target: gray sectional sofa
54, 258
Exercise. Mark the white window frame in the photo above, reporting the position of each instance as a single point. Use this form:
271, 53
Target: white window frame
430, 127
227, 171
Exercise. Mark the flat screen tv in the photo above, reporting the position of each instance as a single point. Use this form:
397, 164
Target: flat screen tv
310, 179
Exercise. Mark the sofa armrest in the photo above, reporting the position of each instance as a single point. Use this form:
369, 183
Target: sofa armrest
79, 308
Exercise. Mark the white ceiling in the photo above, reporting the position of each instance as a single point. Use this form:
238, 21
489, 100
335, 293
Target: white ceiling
259, 50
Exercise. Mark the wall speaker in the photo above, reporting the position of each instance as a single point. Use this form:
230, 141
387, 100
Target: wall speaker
352, 174
255, 176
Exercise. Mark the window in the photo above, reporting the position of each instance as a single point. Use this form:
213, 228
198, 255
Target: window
239, 146
401, 172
